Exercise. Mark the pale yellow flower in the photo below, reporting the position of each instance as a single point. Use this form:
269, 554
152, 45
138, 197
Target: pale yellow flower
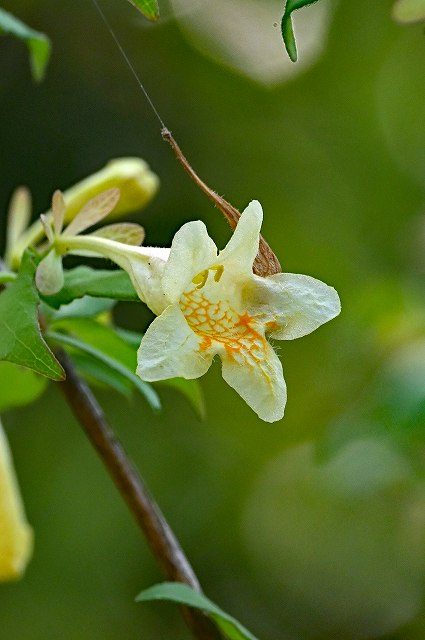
214, 304
211, 303
15, 533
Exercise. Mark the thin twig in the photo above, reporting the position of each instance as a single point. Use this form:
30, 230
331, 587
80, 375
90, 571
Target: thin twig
266, 262
161, 539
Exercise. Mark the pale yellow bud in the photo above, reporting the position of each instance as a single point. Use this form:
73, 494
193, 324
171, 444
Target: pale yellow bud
15, 533
132, 176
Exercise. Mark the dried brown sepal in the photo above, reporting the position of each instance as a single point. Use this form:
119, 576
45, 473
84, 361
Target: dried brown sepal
266, 262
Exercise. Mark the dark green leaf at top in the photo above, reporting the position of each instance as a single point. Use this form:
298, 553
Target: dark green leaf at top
38, 43
21, 340
287, 28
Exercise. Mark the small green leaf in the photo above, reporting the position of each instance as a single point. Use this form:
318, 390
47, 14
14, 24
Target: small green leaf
287, 28
98, 283
149, 8
21, 340
85, 307
18, 386
101, 342
185, 595
38, 43
407, 11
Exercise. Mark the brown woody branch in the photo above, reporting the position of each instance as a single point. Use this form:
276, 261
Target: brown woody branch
161, 539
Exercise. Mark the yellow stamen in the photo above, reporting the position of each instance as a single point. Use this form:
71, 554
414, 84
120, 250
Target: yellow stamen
218, 272
201, 279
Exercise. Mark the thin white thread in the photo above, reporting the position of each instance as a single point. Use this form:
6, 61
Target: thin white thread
129, 64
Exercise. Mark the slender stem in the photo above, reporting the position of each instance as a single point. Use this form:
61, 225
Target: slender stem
161, 539
266, 262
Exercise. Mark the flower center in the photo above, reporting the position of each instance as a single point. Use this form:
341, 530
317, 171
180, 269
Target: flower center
241, 336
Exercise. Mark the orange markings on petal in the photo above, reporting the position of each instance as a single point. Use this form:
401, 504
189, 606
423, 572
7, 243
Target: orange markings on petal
240, 335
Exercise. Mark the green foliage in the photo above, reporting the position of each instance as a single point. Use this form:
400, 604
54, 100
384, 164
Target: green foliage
38, 43
21, 339
85, 307
287, 28
149, 8
98, 283
185, 595
190, 389
96, 373
18, 386
104, 345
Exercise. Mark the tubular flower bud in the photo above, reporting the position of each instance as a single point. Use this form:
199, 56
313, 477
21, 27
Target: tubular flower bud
15, 533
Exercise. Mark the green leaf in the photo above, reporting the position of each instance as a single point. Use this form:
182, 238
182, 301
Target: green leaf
409, 11
21, 340
38, 43
18, 386
149, 8
185, 595
101, 342
287, 28
98, 283
96, 372
190, 389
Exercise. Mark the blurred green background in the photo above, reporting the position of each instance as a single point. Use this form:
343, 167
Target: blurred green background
311, 528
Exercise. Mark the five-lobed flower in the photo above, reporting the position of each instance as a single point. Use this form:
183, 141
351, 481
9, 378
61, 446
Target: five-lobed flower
211, 303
